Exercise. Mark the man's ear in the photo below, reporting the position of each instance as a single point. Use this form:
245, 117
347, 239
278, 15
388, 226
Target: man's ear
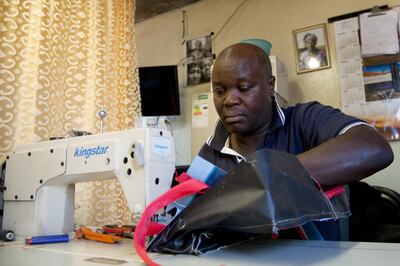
271, 86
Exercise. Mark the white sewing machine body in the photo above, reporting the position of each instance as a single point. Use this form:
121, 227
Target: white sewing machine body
40, 177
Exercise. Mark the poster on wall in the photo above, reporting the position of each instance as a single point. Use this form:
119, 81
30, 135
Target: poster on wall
371, 92
200, 110
199, 60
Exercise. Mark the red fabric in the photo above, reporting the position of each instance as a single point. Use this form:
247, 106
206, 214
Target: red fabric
154, 229
182, 178
146, 227
301, 232
334, 192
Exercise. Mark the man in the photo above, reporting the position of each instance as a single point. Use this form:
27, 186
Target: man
198, 52
334, 148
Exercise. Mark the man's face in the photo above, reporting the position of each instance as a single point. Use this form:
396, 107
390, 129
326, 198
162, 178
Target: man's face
242, 94
197, 45
194, 74
309, 42
206, 68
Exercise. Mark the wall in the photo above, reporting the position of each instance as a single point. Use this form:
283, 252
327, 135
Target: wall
159, 42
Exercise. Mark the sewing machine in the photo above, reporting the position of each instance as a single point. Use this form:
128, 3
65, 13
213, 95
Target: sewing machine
40, 177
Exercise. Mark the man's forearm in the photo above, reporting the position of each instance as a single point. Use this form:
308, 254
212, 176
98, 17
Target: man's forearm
358, 153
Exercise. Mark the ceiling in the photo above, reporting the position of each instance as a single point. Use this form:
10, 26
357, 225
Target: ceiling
146, 9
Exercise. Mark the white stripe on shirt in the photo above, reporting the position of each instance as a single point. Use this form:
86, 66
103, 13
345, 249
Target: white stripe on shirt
353, 125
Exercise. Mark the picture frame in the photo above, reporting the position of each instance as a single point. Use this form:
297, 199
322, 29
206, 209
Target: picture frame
311, 48
200, 58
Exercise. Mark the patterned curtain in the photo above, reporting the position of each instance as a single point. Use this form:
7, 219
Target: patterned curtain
60, 62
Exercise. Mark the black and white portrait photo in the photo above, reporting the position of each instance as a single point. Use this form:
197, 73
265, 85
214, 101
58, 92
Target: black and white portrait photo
311, 47
199, 60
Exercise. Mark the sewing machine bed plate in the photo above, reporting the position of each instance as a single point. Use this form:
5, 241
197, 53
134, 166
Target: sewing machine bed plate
278, 252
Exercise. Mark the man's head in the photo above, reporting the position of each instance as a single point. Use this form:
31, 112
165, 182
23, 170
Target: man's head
194, 74
197, 45
310, 40
243, 87
206, 64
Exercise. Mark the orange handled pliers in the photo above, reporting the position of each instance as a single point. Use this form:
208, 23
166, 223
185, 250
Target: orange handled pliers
120, 230
86, 233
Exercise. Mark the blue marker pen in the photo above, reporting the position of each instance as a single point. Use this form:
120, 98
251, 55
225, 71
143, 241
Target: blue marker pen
34, 240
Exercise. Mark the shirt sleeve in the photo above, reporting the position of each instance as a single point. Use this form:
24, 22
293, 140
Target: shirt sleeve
319, 123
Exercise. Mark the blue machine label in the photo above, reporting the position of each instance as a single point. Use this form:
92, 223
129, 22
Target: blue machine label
87, 152
161, 146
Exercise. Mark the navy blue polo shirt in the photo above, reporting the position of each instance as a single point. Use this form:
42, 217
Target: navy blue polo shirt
294, 130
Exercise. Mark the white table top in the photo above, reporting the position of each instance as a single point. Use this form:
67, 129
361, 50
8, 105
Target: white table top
261, 252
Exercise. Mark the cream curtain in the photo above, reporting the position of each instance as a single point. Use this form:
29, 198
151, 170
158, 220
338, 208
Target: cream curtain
60, 62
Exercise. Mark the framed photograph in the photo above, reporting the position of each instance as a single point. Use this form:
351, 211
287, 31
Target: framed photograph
199, 60
311, 48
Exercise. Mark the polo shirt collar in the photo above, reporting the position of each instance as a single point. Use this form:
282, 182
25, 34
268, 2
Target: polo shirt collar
220, 137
